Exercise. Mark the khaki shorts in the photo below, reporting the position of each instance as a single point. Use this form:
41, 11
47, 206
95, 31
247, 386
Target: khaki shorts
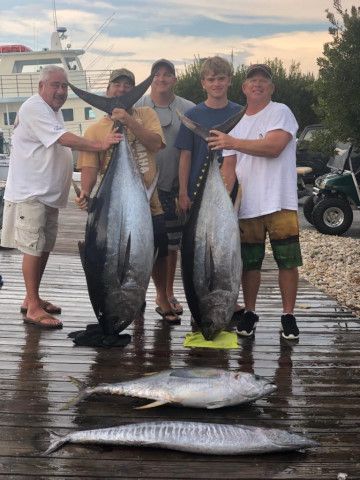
29, 226
283, 230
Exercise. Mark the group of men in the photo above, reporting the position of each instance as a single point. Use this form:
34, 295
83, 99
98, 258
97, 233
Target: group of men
258, 154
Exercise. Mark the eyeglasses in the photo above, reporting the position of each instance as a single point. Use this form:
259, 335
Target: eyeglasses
57, 85
165, 115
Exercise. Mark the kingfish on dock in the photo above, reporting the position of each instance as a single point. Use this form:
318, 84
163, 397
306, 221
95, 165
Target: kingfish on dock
194, 437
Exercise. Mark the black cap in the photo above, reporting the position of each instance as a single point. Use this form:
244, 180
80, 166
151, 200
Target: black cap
163, 62
259, 67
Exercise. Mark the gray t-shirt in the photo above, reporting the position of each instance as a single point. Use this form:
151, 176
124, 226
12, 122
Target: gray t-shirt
168, 158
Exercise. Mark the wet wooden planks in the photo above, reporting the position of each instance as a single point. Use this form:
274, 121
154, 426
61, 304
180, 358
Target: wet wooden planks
318, 382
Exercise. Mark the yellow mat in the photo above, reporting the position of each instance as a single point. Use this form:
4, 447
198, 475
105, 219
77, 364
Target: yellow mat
222, 340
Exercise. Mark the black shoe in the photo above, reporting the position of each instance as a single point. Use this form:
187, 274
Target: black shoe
290, 330
245, 326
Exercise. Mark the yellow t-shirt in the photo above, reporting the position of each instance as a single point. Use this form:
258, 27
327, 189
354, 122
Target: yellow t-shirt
144, 158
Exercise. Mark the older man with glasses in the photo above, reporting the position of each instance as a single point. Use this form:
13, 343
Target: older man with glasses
38, 185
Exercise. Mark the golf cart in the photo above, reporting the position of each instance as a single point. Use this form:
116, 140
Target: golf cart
330, 207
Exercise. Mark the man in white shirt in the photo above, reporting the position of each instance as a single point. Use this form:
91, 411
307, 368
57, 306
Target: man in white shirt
260, 152
38, 185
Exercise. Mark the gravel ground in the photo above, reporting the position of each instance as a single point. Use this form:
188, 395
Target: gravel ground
332, 264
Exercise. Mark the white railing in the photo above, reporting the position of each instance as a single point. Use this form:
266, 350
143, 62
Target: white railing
26, 84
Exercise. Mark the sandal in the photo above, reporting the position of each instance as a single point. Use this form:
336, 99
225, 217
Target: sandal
176, 307
47, 306
42, 321
170, 317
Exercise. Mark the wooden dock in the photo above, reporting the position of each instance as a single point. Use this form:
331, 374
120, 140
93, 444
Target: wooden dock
318, 382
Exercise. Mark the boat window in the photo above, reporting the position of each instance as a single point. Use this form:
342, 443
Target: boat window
36, 65
89, 113
68, 114
9, 118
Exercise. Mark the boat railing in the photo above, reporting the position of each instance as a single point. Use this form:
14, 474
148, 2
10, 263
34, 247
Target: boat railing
22, 85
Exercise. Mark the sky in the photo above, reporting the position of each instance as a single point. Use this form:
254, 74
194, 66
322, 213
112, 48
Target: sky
135, 33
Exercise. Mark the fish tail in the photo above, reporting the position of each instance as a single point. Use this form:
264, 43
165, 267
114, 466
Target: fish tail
56, 442
83, 393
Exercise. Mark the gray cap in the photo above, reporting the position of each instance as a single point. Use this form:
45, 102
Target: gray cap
165, 63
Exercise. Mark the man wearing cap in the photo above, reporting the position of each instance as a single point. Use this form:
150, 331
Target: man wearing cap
145, 136
260, 152
165, 103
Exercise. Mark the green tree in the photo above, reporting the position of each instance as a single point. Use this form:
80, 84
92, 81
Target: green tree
338, 86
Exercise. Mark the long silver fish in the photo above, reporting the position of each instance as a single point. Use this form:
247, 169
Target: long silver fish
191, 387
117, 254
210, 253
195, 437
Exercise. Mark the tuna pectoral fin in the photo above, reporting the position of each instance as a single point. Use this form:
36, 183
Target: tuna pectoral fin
158, 403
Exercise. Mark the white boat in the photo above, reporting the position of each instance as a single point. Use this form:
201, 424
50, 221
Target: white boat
19, 78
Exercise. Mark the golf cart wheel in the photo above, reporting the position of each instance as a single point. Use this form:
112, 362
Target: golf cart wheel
332, 215
308, 208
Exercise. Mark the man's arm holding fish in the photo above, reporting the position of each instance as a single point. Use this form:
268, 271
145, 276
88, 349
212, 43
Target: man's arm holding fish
75, 142
184, 172
149, 139
270, 146
228, 172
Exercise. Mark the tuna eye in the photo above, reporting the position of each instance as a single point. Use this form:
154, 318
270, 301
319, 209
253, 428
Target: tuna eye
257, 377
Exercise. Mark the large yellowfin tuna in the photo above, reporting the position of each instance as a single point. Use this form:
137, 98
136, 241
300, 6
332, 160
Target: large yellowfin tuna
210, 253
117, 254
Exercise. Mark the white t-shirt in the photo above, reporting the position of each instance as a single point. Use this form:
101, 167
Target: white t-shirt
268, 184
40, 168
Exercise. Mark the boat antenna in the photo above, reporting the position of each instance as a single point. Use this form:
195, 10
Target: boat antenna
54, 16
98, 31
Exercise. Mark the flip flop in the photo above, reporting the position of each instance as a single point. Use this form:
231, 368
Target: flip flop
176, 306
40, 322
47, 306
170, 317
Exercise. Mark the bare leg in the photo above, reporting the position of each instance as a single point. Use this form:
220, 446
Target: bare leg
159, 278
250, 284
171, 261
288, 283
40, 268
33, 267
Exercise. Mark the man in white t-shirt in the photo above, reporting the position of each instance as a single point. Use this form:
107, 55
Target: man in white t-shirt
260, 152
38, 185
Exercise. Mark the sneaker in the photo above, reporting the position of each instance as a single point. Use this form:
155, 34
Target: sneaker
245, 326
290, 330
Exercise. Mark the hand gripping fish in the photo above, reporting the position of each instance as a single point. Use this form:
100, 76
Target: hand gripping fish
194, 437
117, 254
190, 387
210, 253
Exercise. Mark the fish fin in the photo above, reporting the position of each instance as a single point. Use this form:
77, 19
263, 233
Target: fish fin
148, 374
157, 403
203, 132
107, 104
56, 442
82, 394
230, 123
124, 269
150, 190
